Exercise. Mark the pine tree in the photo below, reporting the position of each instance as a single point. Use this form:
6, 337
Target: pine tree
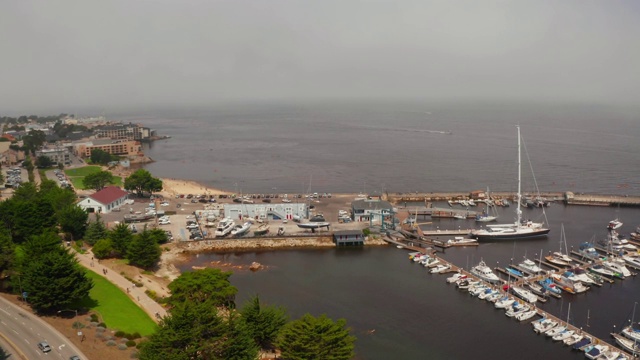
201, 286
143, 251
263, 322
318, 338
121, 237
95, 231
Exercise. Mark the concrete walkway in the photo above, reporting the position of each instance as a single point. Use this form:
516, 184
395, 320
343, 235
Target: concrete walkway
137, 294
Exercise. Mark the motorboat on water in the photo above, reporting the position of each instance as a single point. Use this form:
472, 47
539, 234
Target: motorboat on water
518, 230
524, 294
578, 274
573, 339
582, 343
526, 315
487, 293
514, 272
484, 272
614, 224
440, 268
461, 241
631, 332
460, 216
430, 261
240, 230
455, 277
633, 260
614, 242
537, 289
504, 302
588, 251
544, 325
595, 351
555, 331
516, 308
566, 284
550, 286
604, 271
224, 227
530, 266
559, 259
563, 335
484, 217
617, 265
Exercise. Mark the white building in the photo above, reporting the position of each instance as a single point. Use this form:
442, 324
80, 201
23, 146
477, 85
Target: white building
371, 210
266, 211
105, 200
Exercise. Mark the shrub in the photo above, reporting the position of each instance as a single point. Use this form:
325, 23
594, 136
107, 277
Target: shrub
78, 325
119, 333
102, 325
366, 231
130, 343
100, 329
99, 335
111, 343
136, 335
94, 318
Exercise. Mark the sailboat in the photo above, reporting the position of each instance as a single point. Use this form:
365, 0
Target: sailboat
485, 216
561, 258
519, 229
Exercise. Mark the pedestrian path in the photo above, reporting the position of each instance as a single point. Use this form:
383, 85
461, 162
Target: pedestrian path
137, 294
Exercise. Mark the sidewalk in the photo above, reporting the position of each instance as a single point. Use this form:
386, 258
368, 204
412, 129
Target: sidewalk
152, 308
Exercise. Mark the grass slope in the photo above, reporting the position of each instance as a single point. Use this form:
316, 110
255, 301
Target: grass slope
116, 309
77, 176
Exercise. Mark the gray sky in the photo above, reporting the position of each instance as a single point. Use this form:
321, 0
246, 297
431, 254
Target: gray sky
62, 55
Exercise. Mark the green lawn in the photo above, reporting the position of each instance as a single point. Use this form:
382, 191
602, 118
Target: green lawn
116, 309
77, 175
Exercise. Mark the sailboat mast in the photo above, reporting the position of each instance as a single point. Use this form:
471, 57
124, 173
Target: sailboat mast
519, 180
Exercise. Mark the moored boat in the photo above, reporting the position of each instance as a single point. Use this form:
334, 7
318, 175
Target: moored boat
544, 325
627, 344
263, 229
240, 230
566, 284
484, 272
526, 315
550, 286
530, 266
524, 294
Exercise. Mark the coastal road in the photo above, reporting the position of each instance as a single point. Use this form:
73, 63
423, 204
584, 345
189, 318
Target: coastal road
23, 331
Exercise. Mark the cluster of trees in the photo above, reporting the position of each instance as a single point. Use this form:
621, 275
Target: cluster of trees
24, 119
98, 180
102, 157
31, 250
142, 182
33, 141
203, 323
62, 130
142, 250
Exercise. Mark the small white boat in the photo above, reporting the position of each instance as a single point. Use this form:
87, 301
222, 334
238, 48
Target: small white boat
617, 265
524, 294
526, 315
440, 268
460, 216
461, 241
627, 344
555, 331
515, 309
572, 339
494, 297
455, 277
487, 293
563, 335
544, 325
224, 227
594, 351
614, 224
504, 302
431, 262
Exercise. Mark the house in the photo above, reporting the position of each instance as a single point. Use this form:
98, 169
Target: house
105, 200
371, 210
348, 238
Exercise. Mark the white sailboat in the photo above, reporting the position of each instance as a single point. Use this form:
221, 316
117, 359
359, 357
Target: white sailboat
517, 230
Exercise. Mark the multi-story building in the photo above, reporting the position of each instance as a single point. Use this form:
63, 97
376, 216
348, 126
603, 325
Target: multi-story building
58, 155
124, 132
114, 147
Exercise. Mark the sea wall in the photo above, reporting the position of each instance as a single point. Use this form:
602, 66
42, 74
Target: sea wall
270, 243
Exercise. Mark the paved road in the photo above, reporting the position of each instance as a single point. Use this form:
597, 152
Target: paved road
25, 331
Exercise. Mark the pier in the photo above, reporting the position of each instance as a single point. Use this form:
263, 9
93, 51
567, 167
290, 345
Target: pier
539, 312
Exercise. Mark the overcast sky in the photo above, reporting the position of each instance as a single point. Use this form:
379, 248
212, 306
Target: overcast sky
63, 55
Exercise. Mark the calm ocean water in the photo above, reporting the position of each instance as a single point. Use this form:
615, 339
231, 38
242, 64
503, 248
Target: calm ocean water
397, 147
404, 147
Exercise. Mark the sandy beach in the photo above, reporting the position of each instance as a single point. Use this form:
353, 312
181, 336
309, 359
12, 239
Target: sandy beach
172, 187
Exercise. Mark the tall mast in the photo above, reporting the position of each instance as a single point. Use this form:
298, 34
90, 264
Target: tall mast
519, 179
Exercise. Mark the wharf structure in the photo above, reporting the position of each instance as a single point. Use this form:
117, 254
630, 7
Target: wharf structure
568, 198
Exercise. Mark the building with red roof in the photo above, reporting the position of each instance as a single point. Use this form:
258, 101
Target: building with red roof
105, 200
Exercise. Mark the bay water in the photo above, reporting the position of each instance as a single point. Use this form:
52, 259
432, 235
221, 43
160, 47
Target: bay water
394, 307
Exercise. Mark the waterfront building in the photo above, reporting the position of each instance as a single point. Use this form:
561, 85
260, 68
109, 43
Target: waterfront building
114, 147
105, 200
266, 211
371, 210
124, 132
348, 238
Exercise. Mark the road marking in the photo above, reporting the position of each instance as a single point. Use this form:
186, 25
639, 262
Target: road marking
14, 330
61, 346
5, 311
